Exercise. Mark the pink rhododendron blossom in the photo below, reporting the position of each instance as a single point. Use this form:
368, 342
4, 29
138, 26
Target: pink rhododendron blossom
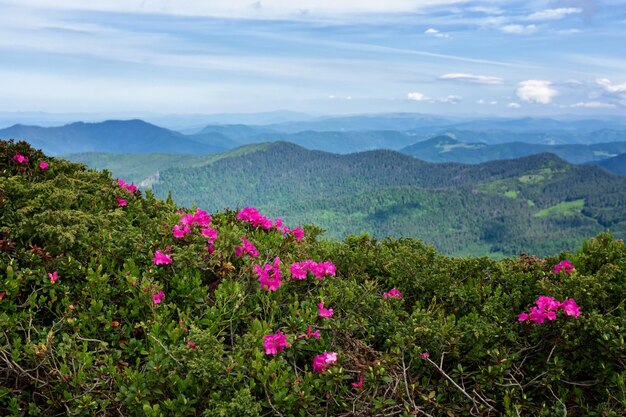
43, 166
359, 384
179, 231
393, 293
158, 297
324, 312
2, 294
318, 269
309, 334
20, 159
565, 266
210, 248
209, 233
278, 223
297, 270
570, 307
324, 361
247, 248
121, 202
191, 344
425, 355
546, 308
275, 343
547, 303
298, 233
54, 276
252, 215
269, 275
161, 259
130, 187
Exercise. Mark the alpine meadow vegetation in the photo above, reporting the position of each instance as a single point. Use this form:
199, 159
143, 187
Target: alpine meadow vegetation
116, 303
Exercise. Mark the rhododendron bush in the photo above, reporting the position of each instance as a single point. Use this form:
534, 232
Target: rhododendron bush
114, 303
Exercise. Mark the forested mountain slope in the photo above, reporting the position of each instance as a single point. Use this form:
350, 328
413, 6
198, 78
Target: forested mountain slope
538, 204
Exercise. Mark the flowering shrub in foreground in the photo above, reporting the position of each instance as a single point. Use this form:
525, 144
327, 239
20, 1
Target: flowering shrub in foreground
565, 266
102, 340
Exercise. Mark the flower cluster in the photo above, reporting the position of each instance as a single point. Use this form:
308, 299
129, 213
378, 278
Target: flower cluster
546, 309
324, 361
318, 269
20, 159
54, 276
269, 275
161, 258
200, 219
275, 343
43, 165
247, 248
254, 217
132, 188
565, 266
324, 312
393, 293
158, 297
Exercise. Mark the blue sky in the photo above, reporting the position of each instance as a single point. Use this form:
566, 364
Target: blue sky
324, 57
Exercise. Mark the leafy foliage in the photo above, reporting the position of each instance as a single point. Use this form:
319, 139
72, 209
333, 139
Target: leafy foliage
95, 341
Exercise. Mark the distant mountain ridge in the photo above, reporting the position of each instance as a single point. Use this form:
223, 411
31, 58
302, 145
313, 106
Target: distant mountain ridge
117, 136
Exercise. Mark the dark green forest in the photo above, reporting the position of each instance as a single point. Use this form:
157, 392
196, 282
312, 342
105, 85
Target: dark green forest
538, 204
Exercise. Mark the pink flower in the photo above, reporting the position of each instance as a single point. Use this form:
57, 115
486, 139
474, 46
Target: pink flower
180, 231
298, 233
161, 259
247, 248
269, 275
20, 159
158, 297
297, 270
202, 218
130, 187
210, 248
210, 233
393, 293
275, 343
425, 355
547, 303
324, 361
570, 307
191, 345
54, 276
324, 312
522, 317
564, 265
309, 334
43, 166
252, 215
121, 202
2, 294
359, 384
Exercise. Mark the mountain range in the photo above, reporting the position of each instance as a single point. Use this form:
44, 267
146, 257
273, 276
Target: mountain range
432, 143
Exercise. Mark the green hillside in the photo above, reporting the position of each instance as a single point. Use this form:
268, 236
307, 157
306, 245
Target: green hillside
105, 312
493, 208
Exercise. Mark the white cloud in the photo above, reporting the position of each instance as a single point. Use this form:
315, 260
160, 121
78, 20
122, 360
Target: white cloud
536, 91
554, 14
519, 29
416, 96
451, 99
514, 105
594, 105
436, 33
471, 78
486, 10
607, 85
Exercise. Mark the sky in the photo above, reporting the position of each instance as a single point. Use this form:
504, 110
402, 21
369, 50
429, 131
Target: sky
447, 57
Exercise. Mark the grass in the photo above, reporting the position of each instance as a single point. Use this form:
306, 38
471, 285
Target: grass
566, 208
